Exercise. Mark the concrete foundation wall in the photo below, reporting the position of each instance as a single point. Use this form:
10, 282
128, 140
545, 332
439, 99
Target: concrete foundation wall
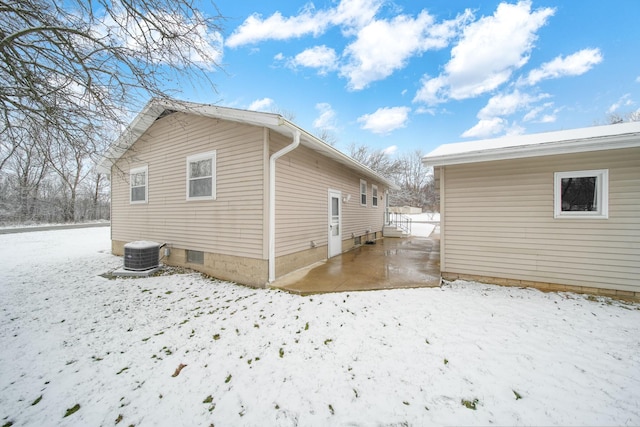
249, 271
246, 271
287, 263
547, 287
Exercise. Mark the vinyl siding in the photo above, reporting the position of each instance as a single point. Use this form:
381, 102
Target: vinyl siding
498, 222
303, 180
231, 225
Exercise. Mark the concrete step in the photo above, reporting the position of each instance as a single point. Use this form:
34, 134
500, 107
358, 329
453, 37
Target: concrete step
391, 231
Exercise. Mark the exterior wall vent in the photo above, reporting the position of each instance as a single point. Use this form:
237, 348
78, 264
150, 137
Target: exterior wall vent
141, 255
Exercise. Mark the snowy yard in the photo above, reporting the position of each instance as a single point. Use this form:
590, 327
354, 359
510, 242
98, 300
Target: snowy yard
464, 354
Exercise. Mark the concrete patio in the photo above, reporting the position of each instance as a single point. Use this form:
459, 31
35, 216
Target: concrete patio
390, 263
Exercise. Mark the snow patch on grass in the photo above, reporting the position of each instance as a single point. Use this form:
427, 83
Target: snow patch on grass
73, 339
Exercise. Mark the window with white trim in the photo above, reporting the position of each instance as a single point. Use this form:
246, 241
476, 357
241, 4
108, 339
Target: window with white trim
581, 194
363, 192
201, 176
374, 196
138, 184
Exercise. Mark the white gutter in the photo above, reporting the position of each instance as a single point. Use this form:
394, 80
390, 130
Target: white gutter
272, 197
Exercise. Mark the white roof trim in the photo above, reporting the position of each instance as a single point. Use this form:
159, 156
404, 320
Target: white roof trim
595, 138
275, 122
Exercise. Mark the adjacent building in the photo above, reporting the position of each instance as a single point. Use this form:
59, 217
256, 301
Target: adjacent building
557, 210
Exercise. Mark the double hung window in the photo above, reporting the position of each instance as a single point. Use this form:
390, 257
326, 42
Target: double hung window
374, 196
363, 192
201, 176
138, 184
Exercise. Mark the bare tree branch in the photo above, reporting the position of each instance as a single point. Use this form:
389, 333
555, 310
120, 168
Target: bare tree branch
76, 66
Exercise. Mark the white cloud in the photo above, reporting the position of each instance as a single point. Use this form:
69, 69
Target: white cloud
383, 46
321, 57
624, 101
491, 48
261, 104
380, 46
348, 13
326, 119
492, 116
385, 120
488, 52
433, 90
507, 104
276, 27
425, 110
486, 128
354, 14
279, 57
389, 151
514, 129
534, 113
572, 65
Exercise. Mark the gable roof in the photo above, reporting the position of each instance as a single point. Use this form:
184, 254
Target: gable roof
595, 138
156, 108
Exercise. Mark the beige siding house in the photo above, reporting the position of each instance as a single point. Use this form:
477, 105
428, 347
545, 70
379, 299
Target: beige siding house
557, 211
240, 195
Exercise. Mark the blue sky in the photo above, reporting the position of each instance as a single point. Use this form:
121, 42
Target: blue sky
408, 75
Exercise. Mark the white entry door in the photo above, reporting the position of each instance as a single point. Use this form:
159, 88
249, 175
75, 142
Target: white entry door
335, 223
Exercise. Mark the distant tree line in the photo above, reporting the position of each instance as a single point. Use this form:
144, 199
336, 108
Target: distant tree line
42, 181
416, 182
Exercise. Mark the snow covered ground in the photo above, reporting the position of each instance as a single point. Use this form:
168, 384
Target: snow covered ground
464, 354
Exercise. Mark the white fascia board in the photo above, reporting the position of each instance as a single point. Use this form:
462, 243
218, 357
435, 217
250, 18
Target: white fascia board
629, 138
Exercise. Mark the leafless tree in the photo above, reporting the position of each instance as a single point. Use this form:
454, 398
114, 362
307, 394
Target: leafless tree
327, 135
377, 160
287, 114
71, 161
72, 72
416, 184
94, 188
415, 181
30, 170
78, 65
618, 117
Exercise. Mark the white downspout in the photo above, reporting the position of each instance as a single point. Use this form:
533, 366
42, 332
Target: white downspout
272, 200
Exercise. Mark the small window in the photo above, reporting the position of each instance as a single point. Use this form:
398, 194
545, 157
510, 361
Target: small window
374, 196
363, 192
582, 194
201, 176
195, 257
138, 184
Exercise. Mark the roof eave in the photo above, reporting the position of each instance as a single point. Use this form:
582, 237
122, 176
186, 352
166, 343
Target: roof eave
536, 150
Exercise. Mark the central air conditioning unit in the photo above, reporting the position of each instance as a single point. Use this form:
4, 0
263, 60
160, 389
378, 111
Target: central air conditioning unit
141, 255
